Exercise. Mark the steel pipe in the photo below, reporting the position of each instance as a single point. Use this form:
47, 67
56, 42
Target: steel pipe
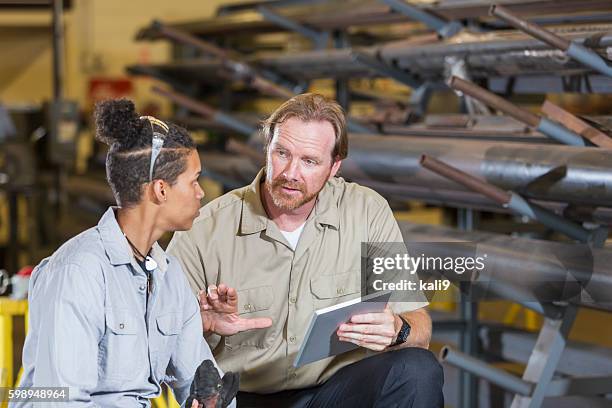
206, 111
453, 198
573, 49
529, 28
544, 125
494, 193
515, 202
534, 270
526, 168
486, 371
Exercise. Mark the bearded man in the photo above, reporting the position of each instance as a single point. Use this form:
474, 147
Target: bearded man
264, 257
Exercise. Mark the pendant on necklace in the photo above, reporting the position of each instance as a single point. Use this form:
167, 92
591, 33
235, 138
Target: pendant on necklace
150, 263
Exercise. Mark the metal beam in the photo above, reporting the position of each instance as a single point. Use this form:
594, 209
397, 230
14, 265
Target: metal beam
442, 27
318, 38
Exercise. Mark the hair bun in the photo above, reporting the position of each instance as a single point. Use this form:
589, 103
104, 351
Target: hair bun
117, 122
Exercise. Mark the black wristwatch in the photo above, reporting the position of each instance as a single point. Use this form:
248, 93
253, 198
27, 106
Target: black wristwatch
403, 334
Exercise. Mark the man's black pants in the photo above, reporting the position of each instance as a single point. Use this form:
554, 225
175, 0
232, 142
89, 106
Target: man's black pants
409, 377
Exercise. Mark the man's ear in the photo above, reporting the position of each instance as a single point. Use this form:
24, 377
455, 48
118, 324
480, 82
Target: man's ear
335, 167
159, 191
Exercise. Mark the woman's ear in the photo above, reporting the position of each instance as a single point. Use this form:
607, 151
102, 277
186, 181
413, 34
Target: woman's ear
160, 191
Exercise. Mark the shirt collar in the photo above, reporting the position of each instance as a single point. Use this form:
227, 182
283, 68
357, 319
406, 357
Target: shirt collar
116, 246
255, 219
326, 208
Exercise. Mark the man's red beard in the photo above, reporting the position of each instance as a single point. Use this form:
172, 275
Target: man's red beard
286, 201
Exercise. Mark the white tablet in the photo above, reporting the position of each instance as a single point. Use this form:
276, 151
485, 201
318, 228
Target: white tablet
321, 340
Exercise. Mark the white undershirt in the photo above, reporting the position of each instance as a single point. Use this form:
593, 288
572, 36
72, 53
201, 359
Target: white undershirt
294, 236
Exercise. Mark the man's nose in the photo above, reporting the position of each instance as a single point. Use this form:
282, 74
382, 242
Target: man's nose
292, 170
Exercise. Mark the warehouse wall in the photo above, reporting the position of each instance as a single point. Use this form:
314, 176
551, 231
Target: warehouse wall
99, 42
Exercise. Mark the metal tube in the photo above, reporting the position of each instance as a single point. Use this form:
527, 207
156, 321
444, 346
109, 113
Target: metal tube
494, 101
511, 200
515, 295
553, 221
318, 38
395, 159
417, 14
532, 270
455, 198
575, 124
379, 66
233, 123
589, 58
469, 199
559, 132
493, 375
245, 150
270, 88
577, 51
189, 103
186, 38
468, 313
206, 111
527, 59
442, 27
494, 193
244, 70
529, 28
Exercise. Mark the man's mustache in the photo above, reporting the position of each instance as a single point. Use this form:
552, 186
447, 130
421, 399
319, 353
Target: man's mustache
283, 182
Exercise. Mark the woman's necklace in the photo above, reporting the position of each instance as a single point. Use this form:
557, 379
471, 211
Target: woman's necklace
149, 262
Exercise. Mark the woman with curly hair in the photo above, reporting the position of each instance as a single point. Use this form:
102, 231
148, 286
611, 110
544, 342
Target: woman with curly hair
111, 314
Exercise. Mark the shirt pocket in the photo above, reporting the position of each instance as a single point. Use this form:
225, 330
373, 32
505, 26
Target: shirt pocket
169, 327
329, 290
122, 352
253, 303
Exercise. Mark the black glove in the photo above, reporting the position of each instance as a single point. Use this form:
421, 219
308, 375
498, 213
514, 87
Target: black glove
208, 386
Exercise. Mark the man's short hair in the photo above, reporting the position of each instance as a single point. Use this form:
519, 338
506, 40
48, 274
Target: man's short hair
311, 107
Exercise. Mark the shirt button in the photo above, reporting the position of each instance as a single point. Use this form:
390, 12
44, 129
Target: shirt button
142, 288
121, 325
292, 339
294, 375
292, 299
247, 307
340, 291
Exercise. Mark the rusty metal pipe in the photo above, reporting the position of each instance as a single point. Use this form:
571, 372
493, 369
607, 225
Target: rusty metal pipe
516, 203
256, 156
548, 127
529, 28
573, 49
206, 111
250, 75
494, 101
494, 193
186, 38
575, 124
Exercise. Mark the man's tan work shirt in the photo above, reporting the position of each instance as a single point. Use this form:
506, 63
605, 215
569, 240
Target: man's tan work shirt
234, 242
